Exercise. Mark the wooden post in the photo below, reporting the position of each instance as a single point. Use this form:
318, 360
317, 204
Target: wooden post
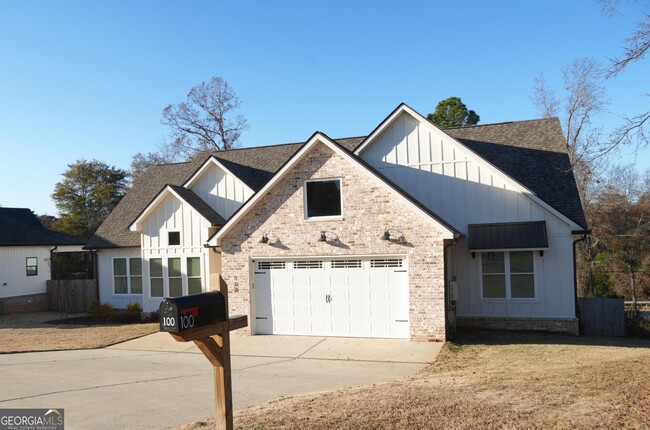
214, 342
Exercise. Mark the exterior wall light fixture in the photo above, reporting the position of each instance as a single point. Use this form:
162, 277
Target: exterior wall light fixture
394, 236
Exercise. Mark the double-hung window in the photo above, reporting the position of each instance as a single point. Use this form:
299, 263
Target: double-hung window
508, 275
32, 266
127, 275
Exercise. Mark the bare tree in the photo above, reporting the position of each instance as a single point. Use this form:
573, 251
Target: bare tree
633, 130
585, 97
205, 121
141, 162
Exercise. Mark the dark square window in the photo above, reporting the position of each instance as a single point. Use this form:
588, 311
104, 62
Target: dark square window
174, 238
323, 198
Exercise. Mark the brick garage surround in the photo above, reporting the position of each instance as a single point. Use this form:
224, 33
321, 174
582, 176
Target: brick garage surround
368, 208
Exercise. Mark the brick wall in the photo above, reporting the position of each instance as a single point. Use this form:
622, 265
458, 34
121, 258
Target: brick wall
21, 304
368, 209
561, 325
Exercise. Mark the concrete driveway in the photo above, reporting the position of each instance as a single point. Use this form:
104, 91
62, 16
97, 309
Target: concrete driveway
155, 382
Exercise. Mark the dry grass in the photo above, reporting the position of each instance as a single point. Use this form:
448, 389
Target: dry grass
487, 380
29, 333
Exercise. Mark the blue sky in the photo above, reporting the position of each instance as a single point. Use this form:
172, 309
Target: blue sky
90, 79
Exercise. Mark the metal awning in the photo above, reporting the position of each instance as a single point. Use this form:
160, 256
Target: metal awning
514, 235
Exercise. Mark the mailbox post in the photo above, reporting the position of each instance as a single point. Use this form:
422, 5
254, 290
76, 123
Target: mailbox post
203, 319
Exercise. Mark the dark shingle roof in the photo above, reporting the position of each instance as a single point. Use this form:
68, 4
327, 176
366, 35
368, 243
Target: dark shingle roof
532, 152
114, 233
199, 205
20, 227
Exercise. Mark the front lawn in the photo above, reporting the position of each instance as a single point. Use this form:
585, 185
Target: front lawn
488, 380
32, 332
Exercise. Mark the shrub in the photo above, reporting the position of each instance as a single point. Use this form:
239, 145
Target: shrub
102, 312
131, 314
134, 307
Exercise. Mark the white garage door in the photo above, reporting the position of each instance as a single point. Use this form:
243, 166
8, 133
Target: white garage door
356, 297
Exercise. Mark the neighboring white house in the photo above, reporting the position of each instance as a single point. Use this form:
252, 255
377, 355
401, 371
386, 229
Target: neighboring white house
387, 235
26, 249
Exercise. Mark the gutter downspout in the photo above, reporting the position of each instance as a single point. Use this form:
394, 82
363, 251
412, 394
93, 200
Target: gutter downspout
49, 298
445, 247
585, 233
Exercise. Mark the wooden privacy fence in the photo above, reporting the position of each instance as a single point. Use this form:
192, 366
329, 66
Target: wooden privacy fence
71, 295
602, 317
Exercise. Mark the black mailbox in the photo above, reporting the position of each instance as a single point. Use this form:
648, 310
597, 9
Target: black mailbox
183, 313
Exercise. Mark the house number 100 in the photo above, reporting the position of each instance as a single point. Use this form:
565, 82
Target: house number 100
169, 321
187, 321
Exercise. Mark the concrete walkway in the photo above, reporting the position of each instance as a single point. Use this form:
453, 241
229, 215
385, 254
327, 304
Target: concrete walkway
154, 382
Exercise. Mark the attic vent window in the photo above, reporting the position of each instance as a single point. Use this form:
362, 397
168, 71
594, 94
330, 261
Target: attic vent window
323, 198
174, 238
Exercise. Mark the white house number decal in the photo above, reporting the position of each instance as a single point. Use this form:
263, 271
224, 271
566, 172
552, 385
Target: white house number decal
169, 321
187, 321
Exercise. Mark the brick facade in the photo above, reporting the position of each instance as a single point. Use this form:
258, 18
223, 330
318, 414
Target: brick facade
22, 304
369, 208
560, 325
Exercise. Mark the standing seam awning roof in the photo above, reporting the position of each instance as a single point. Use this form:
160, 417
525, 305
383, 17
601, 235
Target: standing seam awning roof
516, 235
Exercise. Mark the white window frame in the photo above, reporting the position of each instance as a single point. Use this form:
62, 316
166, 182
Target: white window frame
27, 266
185, 285
508, 274
325, 217
128, 276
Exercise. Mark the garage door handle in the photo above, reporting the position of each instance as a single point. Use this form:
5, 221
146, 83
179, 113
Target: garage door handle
328, 298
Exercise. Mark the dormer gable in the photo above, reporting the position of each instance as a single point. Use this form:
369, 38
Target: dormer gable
221, 189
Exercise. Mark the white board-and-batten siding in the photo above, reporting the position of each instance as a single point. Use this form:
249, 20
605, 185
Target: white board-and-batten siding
105, 277
171, 215
223, 191
464, 189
